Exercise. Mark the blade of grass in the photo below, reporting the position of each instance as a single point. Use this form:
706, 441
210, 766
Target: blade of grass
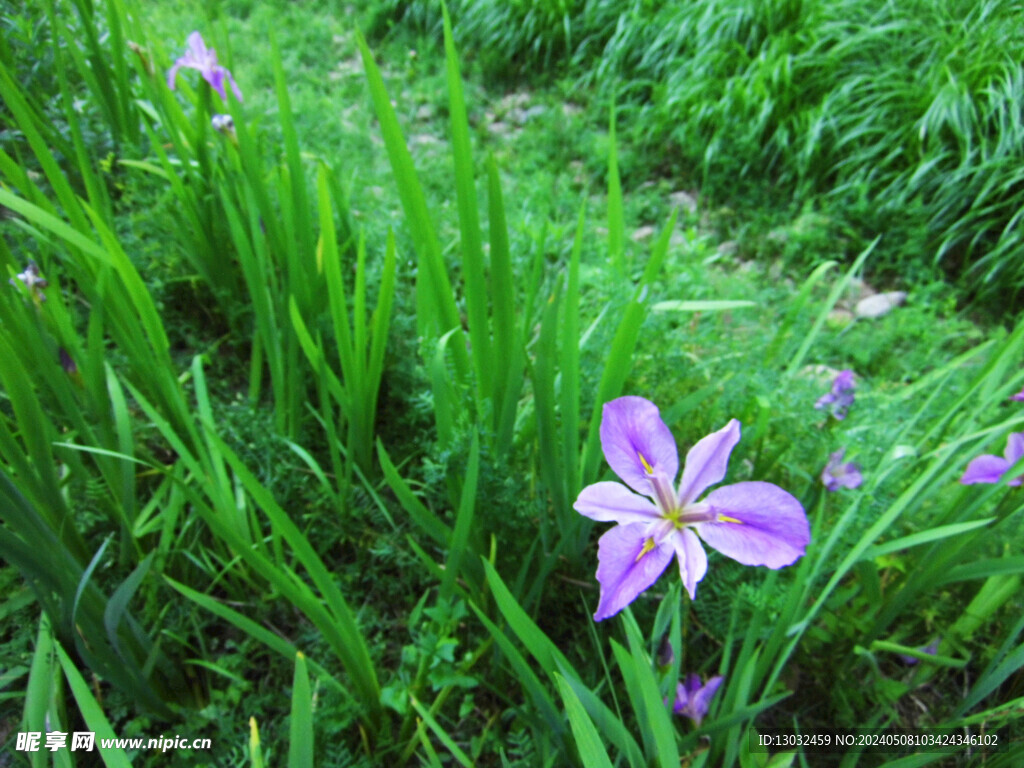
436, 311
300, 728
616, 216
834, 295
618, 362
507, 341
92, 713
652, 710
460, 757
475, 286
270, 639
588, 742
463, 522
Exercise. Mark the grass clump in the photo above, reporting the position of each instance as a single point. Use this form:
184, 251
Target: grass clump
895, 118
304, 407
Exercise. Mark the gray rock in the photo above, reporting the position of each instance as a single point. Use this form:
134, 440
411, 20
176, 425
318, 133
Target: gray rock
684, 200
879, 304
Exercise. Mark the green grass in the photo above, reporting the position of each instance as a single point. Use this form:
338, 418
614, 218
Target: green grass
337, 380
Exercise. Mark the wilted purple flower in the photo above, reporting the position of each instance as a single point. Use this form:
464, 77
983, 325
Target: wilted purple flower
666, 653
32, 280
204, 59
1019, 397
694, 699
755, 523
66, 362
840, 398
838, 475
990, 469
931, 649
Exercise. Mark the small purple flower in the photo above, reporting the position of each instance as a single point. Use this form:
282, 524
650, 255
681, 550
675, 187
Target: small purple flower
840, 398
204, 59
755, 523
931, 649
694, 699
838, 475
32, 280
990, 469
1019, 397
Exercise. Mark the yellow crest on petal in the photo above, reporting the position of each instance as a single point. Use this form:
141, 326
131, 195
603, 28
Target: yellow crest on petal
648, 546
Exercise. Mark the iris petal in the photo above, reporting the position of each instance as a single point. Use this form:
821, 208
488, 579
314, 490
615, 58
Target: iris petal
702, 699
636, 442
985, 469
707, 462
172, 75
693, 560
1014, 447
197, 47
682, 699
614, 503
626, 566
215, 77
772, 528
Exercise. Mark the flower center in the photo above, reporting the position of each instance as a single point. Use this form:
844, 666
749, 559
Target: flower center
701, 512
663, 492
678, 515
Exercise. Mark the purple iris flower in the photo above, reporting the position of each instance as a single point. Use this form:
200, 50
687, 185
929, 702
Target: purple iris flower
694, 699
1019, 397
990, 469
840, 398
204, 59
753, 522
838, 475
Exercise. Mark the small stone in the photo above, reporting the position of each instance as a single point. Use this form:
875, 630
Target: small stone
684, 200
499, 128
642, 233
879, 304
728, 248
